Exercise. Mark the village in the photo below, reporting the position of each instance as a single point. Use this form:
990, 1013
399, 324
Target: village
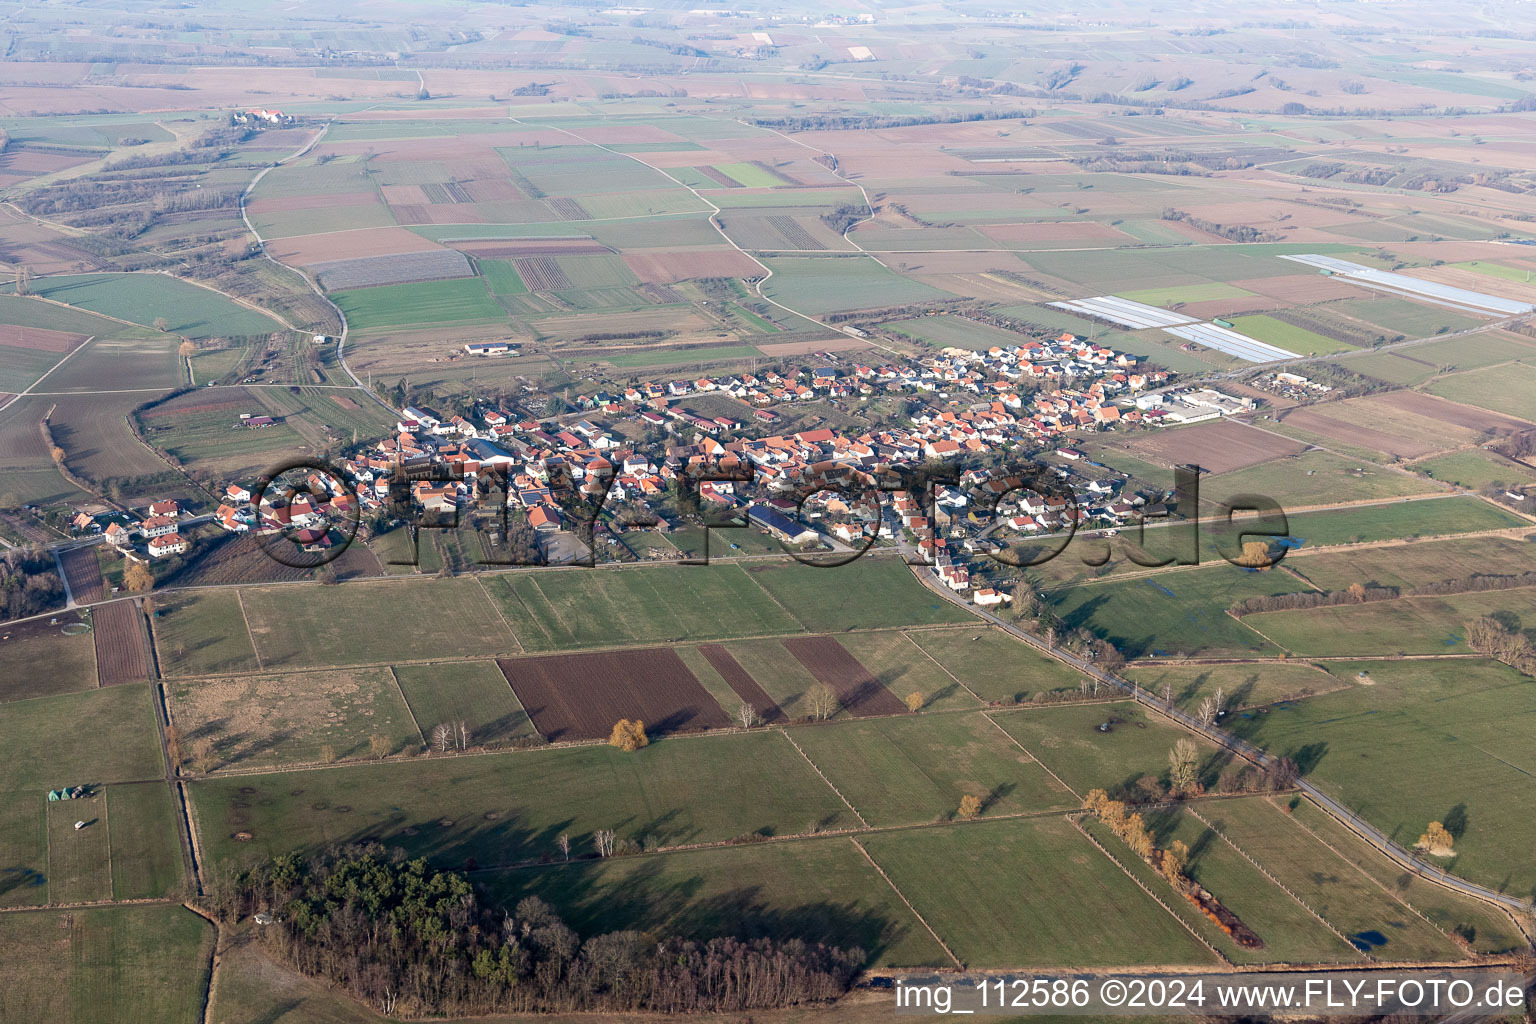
640, 459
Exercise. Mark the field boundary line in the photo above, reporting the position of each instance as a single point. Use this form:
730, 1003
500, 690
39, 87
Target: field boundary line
1267, 638
942, 668
499, 614
553, 607
819, 772
1281, 885
106, 824
407, 702
1369, 877
1015, 741
776, 603
48, 850
1220, 956
16, 398
903, 897
249, 635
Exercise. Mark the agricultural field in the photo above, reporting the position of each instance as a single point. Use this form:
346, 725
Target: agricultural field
1356, 906
40, 659
472, 692
822, 889
1070, 742
202, 633
1417, 563
122, 647
1315, 478
608, 607
141, 299
255, 721
396, 306
1366, 745
1242, 686
870, 593
367, 623
912, 770
1406, 625
1288, 336
1022, 922
506, 808
145, 963
993, 665
1173, 613
1505, 389
581, 696
1476, 469
822, 285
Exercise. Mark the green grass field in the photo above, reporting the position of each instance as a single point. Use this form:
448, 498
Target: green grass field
994, 665
1487, 928
865, 594
1412, 565
1241, 685
463, 300
502, 278
1408, 625
821, 890
1347, 899
141, 298
1476, 469
1427, 741
43, 662
202, 632
821, 285
144, 363
1067, 740
1289, 933
1440, 517
1409, 318
79, 864
1211, 292
1289, 337
904, 670
110, 963
553, 611
1495, 270
1508, 389
271, 720
373, 622
503, 808
1045, 887
750, 175
146, 853
1175, 612
1314, 478
898, 771
99, 736
473, 692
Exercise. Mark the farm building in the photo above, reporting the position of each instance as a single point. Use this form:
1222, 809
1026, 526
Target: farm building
488, 348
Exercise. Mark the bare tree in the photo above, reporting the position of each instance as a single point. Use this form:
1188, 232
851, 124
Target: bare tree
603, 840
442, 737
1221, 701
1207, 712
379, 746
823, 701
747, 716
564, 842
202, 754
1168, 694
461, 734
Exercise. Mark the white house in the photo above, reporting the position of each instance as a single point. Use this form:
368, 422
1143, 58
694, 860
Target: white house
170, 544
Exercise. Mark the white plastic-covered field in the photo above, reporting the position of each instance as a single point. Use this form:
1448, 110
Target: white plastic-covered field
1135, 315
1407, 287
1232, 343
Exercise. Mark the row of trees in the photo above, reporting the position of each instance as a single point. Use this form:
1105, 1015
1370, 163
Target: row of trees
1361, 593
412, 941
1497, 639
